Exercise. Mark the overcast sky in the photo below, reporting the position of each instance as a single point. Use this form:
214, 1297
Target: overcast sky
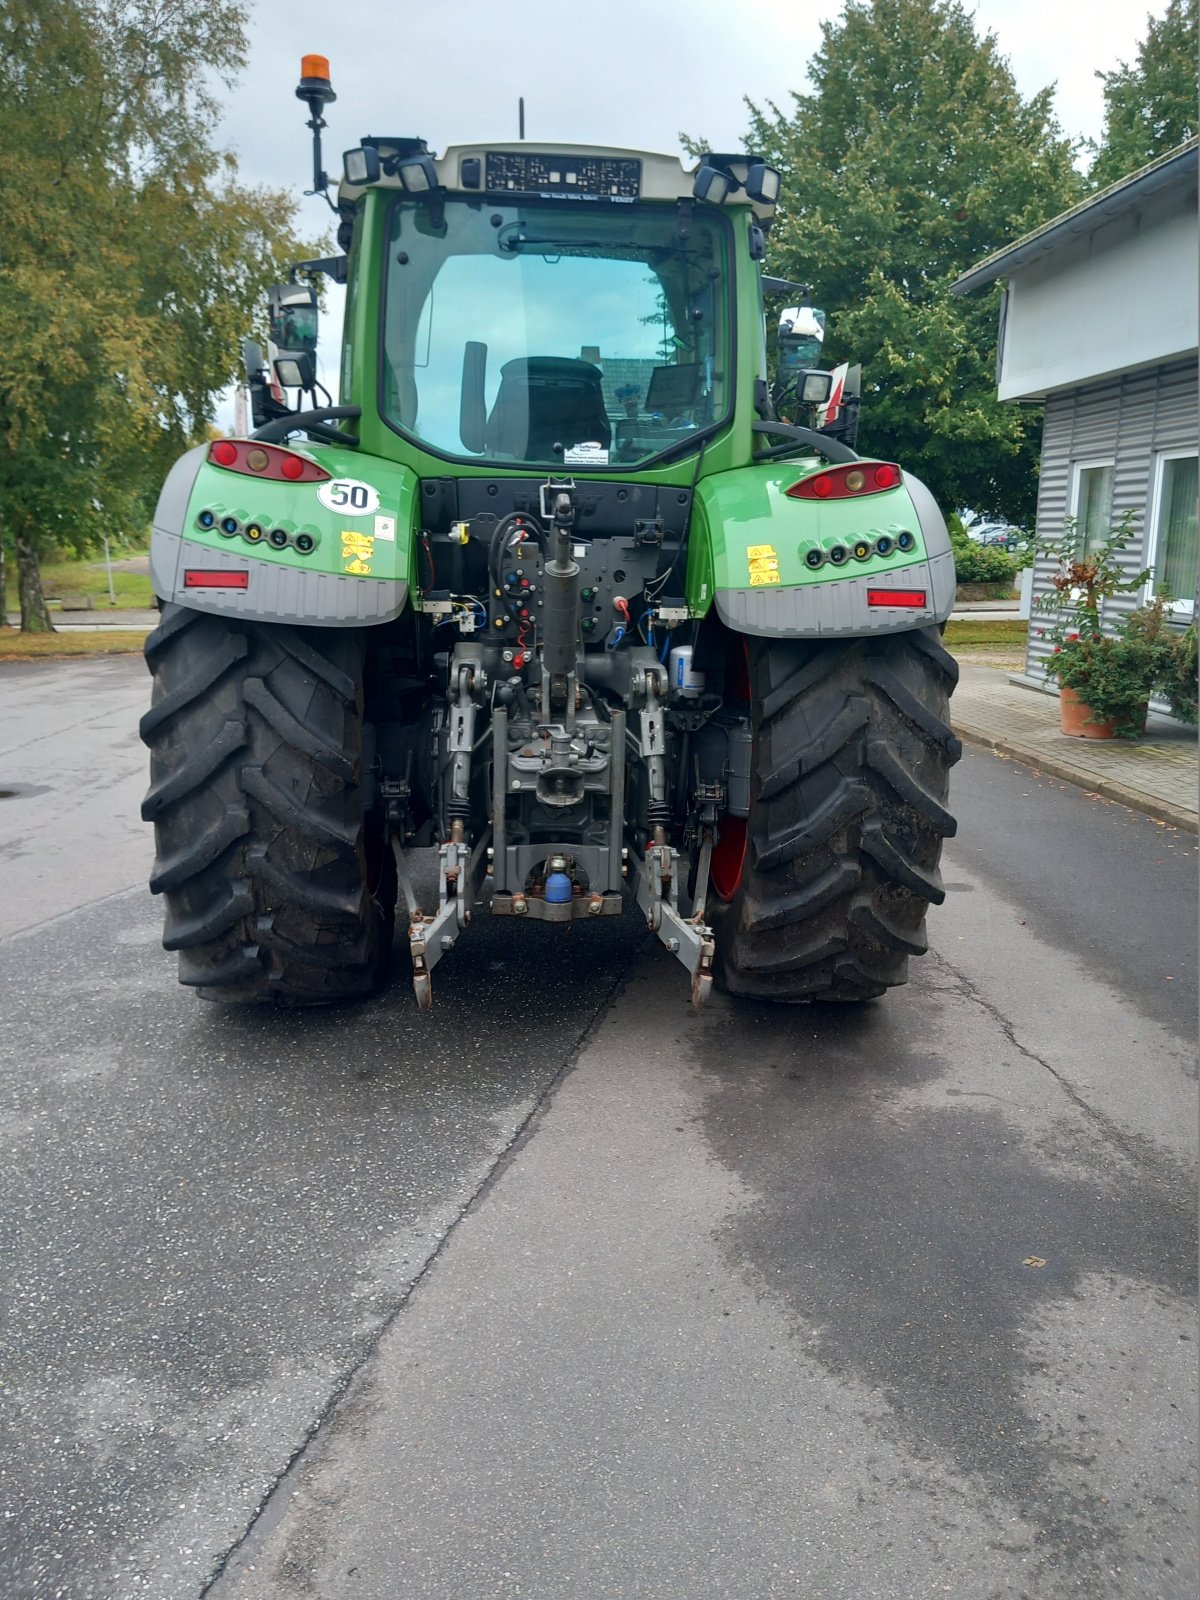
622, 72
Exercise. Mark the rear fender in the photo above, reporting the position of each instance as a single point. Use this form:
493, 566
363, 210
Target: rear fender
342, 565
749, 543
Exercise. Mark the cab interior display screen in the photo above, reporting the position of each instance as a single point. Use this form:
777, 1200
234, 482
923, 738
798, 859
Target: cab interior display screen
598, 178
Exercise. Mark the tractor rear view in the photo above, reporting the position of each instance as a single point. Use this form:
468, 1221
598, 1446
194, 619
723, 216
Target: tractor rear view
553, 591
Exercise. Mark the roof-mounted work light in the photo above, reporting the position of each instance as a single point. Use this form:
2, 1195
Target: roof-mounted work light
762, 184
417, 173
713, 184
361, 166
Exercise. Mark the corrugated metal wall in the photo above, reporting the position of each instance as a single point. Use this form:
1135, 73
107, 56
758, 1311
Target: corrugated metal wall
1126, 420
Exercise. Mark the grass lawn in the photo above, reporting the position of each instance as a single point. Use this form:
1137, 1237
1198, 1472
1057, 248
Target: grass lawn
962, 638
966, 635
17, 646
72, 578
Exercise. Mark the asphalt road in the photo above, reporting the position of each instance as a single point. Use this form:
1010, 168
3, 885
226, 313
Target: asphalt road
567, 1291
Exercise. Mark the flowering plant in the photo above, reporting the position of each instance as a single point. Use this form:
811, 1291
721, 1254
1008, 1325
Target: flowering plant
1112, 673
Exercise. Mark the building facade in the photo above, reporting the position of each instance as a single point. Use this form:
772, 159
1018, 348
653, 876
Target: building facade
1098, 323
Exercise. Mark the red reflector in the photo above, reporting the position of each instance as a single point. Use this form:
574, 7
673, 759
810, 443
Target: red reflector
847, 483
223, 453
194, 578
896, 597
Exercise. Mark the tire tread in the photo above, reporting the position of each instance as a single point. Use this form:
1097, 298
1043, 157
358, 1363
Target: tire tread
847, 818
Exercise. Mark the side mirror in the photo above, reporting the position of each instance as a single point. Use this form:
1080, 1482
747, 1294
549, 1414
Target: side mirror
292, 311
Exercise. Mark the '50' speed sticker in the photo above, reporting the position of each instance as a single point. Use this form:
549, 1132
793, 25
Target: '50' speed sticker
349, 497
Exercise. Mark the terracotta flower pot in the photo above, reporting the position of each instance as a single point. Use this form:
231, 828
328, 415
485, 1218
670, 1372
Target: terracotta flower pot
1076, 718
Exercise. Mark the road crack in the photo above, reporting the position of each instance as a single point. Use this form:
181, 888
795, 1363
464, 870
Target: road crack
495, 1169
1133, 1146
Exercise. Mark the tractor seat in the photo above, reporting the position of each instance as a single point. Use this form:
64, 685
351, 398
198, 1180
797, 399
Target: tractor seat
543, 401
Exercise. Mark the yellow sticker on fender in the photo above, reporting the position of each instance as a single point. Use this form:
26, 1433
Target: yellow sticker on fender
358, 550
755, 551
761, 575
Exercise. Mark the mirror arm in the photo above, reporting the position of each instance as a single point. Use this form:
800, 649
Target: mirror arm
831, 449
334, 267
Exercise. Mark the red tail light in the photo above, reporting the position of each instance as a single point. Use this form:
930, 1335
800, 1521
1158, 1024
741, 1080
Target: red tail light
264, 461
846, 483
194, 578
897, 597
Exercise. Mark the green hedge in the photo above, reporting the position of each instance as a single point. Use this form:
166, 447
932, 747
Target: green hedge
982, 563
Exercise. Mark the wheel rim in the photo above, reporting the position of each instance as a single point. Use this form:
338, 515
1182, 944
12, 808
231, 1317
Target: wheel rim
728, 857
729, 852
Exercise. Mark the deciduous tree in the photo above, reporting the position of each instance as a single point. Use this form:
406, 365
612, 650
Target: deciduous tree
1151, 106
912, 157
131, 259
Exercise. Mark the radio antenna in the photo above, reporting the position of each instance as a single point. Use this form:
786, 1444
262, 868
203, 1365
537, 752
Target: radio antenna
521, 117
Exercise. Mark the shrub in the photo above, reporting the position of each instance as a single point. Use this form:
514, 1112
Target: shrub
1177, 678
980, 563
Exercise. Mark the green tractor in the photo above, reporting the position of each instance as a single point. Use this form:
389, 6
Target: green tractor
553, 591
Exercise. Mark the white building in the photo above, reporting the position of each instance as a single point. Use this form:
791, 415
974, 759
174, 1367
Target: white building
1098, 323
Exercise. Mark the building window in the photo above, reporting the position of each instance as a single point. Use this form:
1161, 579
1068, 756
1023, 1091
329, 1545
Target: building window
1091, 502
1174, 549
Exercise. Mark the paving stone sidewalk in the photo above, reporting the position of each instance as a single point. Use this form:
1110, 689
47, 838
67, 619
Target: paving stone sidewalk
1157, 774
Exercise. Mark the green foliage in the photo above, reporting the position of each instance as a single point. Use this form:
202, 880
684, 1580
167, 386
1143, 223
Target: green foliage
1150, 107
1084, 579
979, 563
1112, 676
913, 158
1177, 677
132, 259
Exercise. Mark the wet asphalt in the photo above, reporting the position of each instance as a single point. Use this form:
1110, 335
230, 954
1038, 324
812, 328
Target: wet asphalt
566, 1290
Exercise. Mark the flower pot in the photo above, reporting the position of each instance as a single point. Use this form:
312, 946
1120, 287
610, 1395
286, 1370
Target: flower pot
1075, 716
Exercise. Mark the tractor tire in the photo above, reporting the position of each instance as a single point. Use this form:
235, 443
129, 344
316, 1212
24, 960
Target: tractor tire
850, 773
279, 887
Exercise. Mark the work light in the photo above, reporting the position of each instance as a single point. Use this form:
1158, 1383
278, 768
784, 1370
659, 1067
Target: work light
712, 184
361, 166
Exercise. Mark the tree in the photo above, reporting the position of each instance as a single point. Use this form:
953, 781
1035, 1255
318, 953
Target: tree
1150, 107
130, 260
912, 158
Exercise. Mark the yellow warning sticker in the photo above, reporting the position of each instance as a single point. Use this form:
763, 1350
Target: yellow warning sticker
761, 575
358, 551
755, 551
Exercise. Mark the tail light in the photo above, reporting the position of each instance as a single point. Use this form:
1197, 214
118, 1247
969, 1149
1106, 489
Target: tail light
264, 461
845, 483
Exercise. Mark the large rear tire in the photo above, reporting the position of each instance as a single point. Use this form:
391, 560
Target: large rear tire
852, 757
278, 882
